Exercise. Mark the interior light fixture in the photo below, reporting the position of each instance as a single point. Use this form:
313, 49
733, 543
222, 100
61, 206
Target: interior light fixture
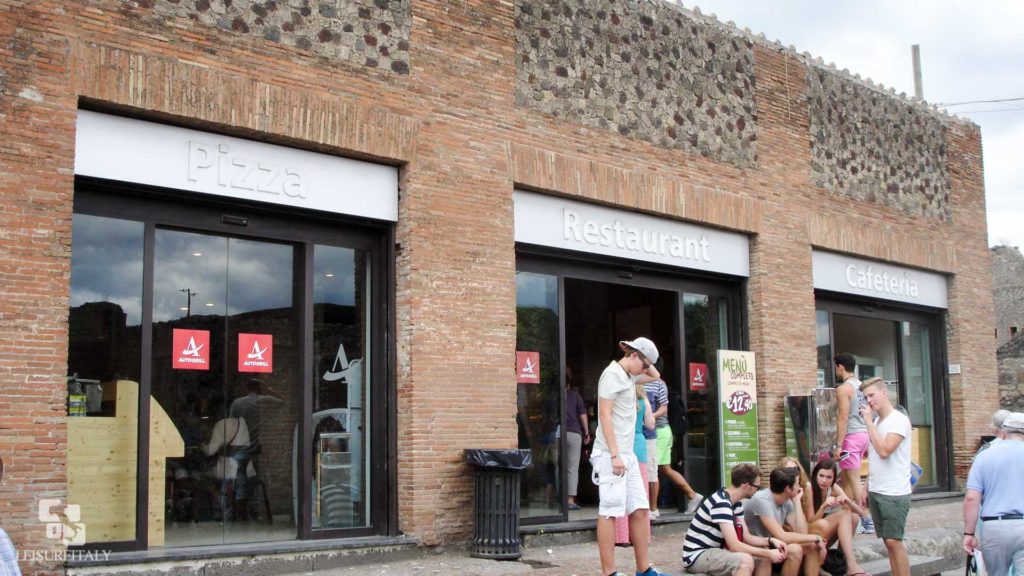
329, 275
197, 253
183, 308
209, 304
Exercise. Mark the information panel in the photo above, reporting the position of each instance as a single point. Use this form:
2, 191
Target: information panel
737, 388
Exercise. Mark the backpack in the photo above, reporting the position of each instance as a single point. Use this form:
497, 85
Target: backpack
676, 413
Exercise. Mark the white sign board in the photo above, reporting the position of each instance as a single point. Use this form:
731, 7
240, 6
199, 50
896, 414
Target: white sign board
143, 152
571, 225
851, 275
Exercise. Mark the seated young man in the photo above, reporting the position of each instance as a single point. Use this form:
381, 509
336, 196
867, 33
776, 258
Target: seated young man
777, 512
713, 545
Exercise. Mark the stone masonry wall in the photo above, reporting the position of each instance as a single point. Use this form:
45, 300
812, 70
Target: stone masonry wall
1007, 291
642, 69
374, 33
872, 147
1011, 374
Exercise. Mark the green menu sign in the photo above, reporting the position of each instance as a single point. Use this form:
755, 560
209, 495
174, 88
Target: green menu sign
737, 391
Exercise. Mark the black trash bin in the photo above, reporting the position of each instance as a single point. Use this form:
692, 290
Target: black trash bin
496, 502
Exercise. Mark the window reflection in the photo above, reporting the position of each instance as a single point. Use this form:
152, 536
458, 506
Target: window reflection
538, 412
341, 431
104, 353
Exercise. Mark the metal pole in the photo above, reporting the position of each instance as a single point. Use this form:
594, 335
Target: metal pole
915, 52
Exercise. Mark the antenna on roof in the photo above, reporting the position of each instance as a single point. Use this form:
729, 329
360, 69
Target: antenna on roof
915, 53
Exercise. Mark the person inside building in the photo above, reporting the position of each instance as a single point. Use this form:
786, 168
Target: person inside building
717, 542
888, 471
621, 488
851, 431
777, 512
831, 513
994, 493
664, 439
577, 435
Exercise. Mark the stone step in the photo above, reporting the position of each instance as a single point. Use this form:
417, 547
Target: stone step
919, 566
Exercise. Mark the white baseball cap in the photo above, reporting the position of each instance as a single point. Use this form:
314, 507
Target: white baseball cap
1014, 422
643, 346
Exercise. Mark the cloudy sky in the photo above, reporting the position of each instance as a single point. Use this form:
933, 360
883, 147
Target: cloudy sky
970, 51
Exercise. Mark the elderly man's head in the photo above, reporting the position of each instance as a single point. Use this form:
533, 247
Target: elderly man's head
998, 417
1013, 425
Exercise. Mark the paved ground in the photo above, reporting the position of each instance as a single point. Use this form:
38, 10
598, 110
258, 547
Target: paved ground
932, 529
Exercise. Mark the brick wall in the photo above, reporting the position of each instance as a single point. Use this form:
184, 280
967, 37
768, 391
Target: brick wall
455, 123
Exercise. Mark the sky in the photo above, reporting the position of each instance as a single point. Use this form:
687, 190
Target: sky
970, 51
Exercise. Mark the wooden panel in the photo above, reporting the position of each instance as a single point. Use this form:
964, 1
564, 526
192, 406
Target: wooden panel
102, 459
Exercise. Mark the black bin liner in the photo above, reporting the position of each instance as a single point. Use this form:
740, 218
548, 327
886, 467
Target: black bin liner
496, 501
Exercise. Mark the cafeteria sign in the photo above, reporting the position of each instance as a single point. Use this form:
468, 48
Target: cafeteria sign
737, 391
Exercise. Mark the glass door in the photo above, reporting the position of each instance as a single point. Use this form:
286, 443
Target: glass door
904, 349
915, 341
225, 372
539, 402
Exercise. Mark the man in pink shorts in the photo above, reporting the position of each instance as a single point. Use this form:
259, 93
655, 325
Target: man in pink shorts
851, 430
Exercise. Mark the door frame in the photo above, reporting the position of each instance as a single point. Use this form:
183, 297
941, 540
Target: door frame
592, 268
935, 320
303, 229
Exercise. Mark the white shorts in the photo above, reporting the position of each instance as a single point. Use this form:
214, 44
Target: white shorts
652, 461
620, 495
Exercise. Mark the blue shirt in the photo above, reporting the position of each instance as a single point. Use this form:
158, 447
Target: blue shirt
997, 473
8, 557
639, 444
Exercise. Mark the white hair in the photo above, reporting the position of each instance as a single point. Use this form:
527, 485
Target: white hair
998, 417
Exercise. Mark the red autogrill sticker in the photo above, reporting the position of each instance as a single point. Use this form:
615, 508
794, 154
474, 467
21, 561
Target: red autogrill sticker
528, 367
255, 353
698, 376
191, 349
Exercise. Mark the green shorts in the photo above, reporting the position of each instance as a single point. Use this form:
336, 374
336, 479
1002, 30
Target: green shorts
889, 514
664, 445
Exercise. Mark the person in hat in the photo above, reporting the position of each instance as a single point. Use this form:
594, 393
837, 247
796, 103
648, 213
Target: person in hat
621, 488
994, 494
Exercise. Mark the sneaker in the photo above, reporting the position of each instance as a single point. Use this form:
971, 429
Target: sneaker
866, 526
655, 514
691, 506
651, 571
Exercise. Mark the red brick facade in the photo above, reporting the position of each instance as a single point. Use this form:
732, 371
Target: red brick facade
453, 126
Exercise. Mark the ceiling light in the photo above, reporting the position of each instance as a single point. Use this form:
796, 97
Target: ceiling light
329, 274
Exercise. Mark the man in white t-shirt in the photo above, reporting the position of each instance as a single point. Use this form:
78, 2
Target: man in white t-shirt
621, 488
888, 471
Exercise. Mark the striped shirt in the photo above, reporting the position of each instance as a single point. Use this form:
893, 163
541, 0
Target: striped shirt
704, 533
657, 393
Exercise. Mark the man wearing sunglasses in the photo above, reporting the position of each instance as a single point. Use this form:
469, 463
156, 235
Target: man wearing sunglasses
621, 488
717, 543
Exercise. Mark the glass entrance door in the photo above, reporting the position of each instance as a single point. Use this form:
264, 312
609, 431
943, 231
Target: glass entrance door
901, 348
225, 369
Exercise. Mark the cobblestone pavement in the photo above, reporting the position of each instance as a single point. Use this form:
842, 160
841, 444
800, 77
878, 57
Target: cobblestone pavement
927, 525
